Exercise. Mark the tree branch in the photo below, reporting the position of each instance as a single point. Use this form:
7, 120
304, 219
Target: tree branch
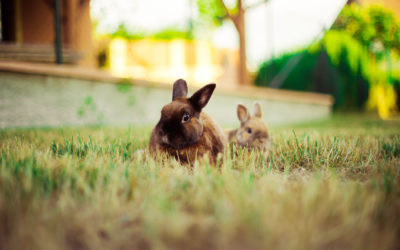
255, 5
228, 14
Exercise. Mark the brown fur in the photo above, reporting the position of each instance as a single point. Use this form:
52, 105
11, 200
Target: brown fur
211, 143
258, 138
188, 139
231, 134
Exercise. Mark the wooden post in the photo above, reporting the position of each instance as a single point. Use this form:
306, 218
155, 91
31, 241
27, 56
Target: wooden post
57, 25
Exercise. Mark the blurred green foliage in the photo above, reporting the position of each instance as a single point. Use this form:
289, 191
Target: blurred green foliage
90, 108
123, 32
165, 34
336, 65
354, 55
211, 12
124, 85
375, 27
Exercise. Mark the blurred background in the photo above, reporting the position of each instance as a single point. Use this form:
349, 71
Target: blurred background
95, 62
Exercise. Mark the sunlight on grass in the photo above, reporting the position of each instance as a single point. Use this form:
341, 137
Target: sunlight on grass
326, 185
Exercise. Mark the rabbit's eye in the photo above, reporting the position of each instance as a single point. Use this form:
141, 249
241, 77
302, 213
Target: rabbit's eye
185, 118
249, 130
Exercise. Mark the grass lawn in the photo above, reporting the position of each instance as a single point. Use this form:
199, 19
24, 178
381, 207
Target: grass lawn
332, 184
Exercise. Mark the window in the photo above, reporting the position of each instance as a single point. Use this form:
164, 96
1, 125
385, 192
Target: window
7, 21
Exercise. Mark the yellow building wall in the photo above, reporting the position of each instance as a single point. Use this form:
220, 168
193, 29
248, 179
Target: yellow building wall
156, 60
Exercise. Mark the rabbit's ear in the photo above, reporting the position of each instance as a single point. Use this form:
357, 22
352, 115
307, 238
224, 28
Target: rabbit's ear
202, 96
242, 113
257, 110
180, 89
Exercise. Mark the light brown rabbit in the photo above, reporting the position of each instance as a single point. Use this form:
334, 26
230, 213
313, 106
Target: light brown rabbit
253, 132
186, 132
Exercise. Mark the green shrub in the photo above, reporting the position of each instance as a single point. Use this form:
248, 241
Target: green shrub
349, 62
374, 27
337, 65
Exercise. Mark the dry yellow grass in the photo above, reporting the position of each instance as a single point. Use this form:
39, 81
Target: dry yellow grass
329, 185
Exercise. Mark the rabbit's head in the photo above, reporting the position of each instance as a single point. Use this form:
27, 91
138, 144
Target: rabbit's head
253, 132
180, 124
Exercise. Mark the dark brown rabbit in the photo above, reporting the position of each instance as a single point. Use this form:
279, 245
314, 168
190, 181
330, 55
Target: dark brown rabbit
253, 132
186, 132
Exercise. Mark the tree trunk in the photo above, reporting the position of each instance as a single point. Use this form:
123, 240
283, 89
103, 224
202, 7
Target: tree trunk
238, 21
243, 74
240, 27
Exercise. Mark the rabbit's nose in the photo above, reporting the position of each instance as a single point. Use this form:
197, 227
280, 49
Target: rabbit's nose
164, 139
163, 136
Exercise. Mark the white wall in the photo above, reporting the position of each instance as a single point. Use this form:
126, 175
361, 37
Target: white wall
28, 100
